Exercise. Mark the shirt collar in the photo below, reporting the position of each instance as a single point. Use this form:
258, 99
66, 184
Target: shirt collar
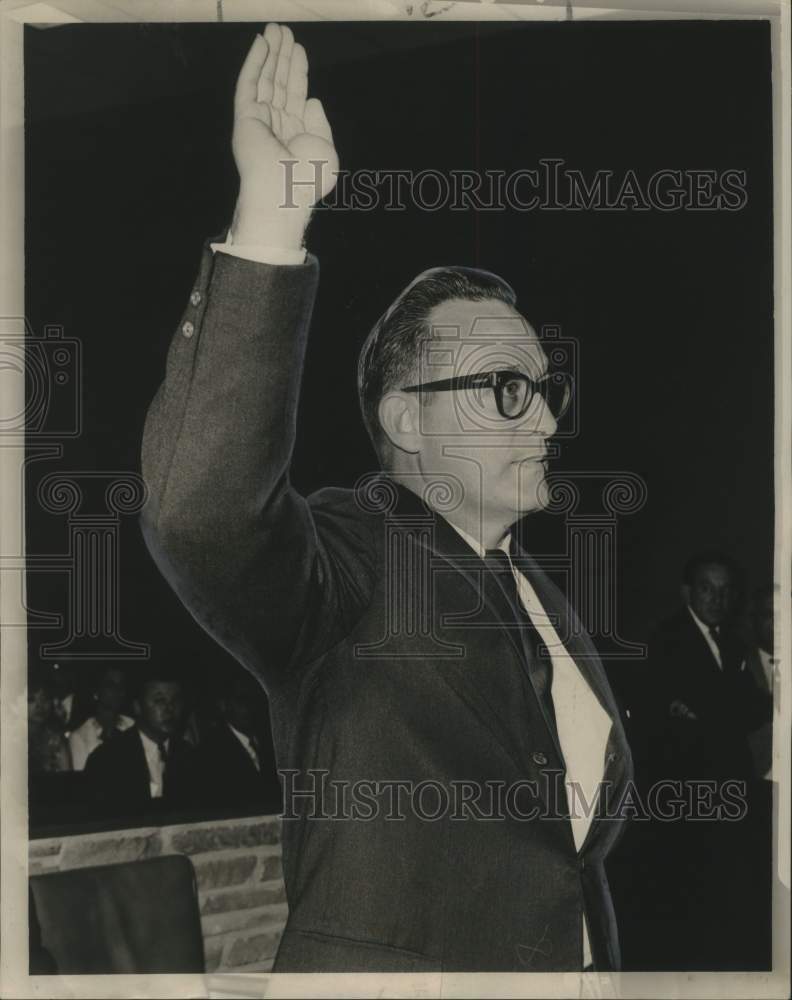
122, 722
476, 545
147, 741
705, 629
246, 740
765, 657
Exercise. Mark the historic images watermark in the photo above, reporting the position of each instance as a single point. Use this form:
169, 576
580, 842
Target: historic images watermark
550, 185
548, 797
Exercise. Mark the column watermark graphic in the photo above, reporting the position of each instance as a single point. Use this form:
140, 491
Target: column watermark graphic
91, 502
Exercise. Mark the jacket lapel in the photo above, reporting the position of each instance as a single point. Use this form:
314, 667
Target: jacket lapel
450, 550
138, 764
492, 607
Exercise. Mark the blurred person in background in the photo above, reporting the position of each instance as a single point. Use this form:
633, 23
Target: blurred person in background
107, 721
762, 665
705, 701
705, 707
48, 750
149, 765
236, 756
66, 700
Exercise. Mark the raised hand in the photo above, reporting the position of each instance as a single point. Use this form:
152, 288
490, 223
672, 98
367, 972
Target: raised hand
282, 143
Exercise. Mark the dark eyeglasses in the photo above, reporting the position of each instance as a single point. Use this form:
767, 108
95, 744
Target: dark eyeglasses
514, 391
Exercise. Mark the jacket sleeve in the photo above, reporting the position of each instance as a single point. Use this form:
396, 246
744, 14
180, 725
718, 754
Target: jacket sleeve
274, 578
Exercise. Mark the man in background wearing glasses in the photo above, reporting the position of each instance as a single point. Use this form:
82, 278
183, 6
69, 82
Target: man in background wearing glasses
441, 720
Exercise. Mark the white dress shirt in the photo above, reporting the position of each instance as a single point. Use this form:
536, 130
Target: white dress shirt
258, 252
247, 744
155, 763
704, 629
85, 739
582, 723
769, 664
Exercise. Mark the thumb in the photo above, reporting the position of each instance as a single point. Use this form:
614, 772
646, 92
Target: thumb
316, 121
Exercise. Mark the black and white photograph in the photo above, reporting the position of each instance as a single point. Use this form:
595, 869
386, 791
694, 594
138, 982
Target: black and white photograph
395, 564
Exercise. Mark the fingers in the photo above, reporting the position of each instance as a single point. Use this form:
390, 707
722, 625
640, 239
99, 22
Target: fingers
247, 81
297, 85
282, 67
275, 75
316, 120
272, 37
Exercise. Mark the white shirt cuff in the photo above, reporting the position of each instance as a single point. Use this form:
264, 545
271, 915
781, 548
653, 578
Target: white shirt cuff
258, 252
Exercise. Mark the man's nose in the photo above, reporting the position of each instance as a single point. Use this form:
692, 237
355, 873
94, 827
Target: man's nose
542, 421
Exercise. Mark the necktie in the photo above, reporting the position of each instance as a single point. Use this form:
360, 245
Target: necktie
540, 667
108, 732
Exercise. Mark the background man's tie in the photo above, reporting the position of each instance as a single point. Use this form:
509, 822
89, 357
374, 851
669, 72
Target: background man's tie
163, 749
718, 640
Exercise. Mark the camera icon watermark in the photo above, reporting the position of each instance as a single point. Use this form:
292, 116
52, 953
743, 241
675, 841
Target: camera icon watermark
51, 367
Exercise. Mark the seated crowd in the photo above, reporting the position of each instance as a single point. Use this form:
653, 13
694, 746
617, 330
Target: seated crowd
128, 741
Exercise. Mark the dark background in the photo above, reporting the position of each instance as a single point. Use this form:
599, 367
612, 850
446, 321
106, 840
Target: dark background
129, 169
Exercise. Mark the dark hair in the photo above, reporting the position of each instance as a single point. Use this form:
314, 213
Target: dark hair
389, 356
39, 678
156, 673
100, 672
710, 557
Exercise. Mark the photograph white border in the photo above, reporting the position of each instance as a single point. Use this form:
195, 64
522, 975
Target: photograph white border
14, 980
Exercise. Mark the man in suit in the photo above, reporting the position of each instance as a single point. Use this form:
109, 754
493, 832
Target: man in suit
762, 665
148, 766
706, 703
705, 707
109, 694
423, 673
235, 756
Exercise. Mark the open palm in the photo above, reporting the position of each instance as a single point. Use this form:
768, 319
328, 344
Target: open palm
275, 121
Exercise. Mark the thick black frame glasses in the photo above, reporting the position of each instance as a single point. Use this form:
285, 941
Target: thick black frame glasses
514, 391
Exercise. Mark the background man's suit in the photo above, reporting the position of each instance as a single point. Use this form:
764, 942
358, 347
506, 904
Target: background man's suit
118, 775
702, 866
724, 699
229, 776
301, 591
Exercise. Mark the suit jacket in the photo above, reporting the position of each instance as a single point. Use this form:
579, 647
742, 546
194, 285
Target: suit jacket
118, 776
725, 700
387, 655
230, 778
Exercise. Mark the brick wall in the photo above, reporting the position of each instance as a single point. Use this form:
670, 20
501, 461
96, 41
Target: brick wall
238, 868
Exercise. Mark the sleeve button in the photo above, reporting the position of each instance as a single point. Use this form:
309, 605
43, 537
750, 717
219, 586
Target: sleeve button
188, 329
195, 298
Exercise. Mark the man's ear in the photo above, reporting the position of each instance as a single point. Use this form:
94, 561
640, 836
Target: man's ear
399, 419
684, 590
136, 707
